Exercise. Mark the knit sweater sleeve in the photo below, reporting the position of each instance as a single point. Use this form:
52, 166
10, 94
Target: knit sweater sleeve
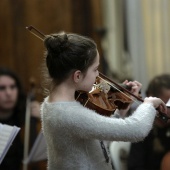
92, 125
87, 124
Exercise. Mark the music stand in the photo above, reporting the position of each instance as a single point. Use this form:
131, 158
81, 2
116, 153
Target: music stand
38, 151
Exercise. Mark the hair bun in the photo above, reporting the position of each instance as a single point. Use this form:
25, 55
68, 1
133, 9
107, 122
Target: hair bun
56, 43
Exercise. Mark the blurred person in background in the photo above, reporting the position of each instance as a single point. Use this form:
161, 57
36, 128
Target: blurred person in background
12, 112
147, 155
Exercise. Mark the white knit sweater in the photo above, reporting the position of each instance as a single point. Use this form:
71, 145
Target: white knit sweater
73, 132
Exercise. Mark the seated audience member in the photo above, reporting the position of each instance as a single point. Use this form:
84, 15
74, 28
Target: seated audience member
147, 155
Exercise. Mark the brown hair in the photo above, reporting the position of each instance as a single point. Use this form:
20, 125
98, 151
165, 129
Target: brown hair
157, 84
66, 53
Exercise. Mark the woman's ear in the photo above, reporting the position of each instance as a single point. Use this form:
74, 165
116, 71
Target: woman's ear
77, 76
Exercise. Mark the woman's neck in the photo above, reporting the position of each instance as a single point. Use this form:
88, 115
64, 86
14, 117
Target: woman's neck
5, 114
63, 92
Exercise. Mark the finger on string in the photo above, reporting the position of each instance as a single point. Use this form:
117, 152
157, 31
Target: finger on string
126, 81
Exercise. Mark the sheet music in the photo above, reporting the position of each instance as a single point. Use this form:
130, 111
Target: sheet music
38, 151
7, 135
168, 103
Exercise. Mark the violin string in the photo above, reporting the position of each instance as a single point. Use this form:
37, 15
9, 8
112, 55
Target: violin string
120, 90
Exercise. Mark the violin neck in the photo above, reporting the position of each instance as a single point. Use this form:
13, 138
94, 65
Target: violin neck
122, 85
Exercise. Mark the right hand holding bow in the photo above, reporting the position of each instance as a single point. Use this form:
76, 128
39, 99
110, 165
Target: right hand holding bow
157, 103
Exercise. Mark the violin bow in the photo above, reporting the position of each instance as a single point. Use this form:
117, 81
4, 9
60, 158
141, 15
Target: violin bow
34, 31
41, 36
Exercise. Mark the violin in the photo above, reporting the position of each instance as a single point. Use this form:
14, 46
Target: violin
117, 97
103, 98
106, 95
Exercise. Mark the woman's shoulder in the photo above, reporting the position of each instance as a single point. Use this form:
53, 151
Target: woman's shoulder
61, 105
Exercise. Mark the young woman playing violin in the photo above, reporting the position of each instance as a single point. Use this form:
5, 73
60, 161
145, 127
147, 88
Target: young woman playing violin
73, 132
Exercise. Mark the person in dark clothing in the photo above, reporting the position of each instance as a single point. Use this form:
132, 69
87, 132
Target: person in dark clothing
12, 111
147, 155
